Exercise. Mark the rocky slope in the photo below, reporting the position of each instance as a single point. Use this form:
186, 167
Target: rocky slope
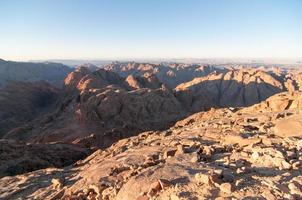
99, 108
53, 73
218, 154
235, 88
21, 102
144, 81
19, 158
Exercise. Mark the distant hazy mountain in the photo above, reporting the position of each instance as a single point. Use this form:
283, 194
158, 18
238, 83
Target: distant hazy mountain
53, 73
76, 63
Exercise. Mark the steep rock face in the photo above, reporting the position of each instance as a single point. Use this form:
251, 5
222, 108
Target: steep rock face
237, 87
22, 102
73, 79
99, 79
83, 78
119, 113
19, 158
145, 81
53, 73
89, 66
169, 74
293, 80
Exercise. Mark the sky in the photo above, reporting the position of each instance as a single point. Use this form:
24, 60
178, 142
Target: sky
118, 29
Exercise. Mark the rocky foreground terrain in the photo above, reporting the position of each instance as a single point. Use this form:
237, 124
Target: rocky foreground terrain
249, 153
153, 131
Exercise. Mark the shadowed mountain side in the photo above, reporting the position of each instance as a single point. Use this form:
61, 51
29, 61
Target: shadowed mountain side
109, 114
144, 81
99, 104
21, 102
53, 73
18, 158
224, 93
236, 88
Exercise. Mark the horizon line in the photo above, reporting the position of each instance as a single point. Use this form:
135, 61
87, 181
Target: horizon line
153, 58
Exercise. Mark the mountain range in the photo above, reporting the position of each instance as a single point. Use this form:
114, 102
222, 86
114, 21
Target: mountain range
149, 131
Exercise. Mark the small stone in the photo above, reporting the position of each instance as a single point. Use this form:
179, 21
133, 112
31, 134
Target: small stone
288, 196
239, 170
227, 176
267, 141
164, 183
180, 149
268, 195
286, 165
255, 155
174, 197
296, 165
203, 178
57, 183
244, 154
143, 197
154, 189
169, 153
239, 182
283, 188
195, 157
218, 172
294, 188
95, 191
157, 186
207, 150
109, 193
291, 154
226, 188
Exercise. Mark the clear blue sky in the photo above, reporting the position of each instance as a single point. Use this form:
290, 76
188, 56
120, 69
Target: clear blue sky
94, 29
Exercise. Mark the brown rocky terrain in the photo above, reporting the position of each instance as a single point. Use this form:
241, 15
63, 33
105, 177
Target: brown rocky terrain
19, 158
145, 81
235, 88
170, 74
21, 102
100, 107
157, 132
218, 154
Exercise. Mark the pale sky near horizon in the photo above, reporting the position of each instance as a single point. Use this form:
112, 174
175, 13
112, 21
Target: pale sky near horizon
112, 29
